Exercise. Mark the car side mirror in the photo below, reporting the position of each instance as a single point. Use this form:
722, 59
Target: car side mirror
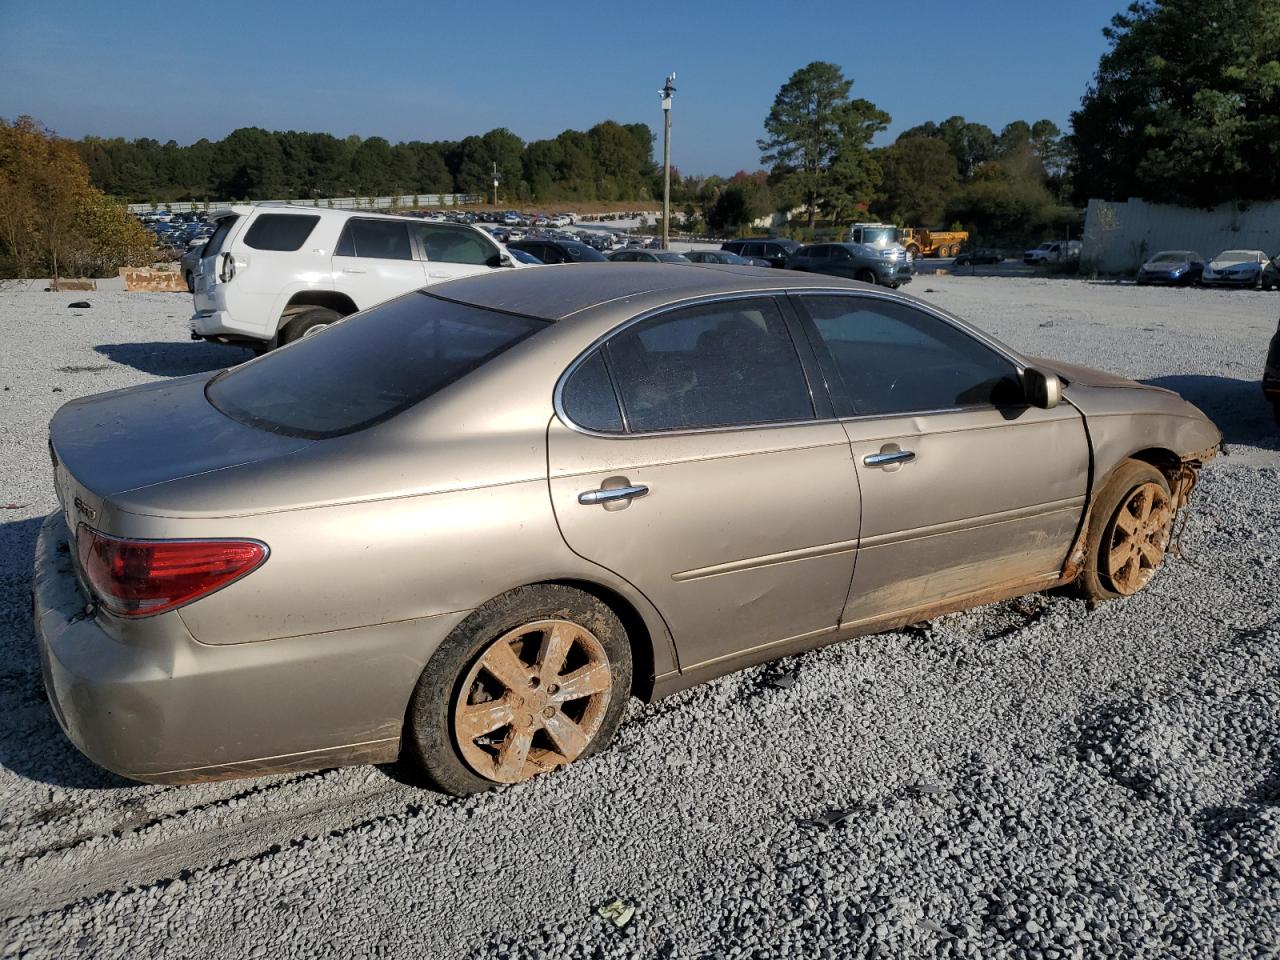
1042, 389
499, 260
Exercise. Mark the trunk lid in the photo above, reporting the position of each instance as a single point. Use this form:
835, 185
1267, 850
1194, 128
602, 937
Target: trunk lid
116, 442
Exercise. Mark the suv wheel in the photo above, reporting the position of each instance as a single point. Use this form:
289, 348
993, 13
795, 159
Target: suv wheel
307, 322
865, 275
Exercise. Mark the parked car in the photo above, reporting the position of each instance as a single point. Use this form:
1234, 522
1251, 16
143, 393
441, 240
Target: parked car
1241, 268
855, 261
1177, 267
643, 255
1271, 375
1053, 251
558, 251
522, 256
982, 255
465, 526
190, 262
725, 257
775, 250
273, 272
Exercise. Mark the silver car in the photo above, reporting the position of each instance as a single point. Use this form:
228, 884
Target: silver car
465, 526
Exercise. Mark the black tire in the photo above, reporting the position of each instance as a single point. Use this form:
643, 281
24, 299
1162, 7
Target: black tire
1275, 410
429, 739
191, 282
1094, 582
865, 275
309, 319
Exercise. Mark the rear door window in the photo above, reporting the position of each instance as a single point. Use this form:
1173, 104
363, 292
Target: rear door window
711, 365
279, 231
589, 399
376, 239
368, 367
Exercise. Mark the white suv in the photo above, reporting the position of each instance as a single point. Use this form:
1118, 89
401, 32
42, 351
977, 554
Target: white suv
271, 271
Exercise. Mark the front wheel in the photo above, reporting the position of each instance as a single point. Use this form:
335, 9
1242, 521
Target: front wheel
529, 682
865, 275
1128, 534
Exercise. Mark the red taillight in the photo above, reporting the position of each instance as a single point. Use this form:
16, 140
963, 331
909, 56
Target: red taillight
137, 578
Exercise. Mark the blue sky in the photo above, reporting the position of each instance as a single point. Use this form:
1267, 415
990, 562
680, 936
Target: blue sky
442, 70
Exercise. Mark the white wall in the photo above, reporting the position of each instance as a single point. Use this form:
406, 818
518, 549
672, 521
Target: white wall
1118, 236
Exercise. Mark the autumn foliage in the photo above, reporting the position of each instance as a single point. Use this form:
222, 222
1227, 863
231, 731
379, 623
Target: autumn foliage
53, 221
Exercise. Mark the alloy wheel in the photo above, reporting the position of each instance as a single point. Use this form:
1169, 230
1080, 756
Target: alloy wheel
533, 700
1137, 539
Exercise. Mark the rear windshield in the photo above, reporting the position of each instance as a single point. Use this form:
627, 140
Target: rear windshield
366, 368
214, 246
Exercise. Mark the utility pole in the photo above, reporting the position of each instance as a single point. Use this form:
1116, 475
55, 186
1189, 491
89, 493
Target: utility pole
667, 90
495, 183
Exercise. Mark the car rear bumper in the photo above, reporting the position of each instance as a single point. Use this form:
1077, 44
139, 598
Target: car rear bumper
222, 326
165, 708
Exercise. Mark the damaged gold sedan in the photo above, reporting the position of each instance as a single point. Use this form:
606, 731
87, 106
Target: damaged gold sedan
467, 525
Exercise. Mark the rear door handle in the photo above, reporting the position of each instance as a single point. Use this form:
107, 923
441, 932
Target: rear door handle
610, 494
893, 456
354, 270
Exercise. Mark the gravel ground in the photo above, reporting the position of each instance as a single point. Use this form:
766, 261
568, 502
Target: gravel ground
1030, 779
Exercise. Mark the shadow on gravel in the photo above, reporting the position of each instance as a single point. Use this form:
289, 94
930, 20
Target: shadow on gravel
31, 743
162, 358
1236, 406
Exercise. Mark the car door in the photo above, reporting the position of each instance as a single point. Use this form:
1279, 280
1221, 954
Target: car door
374, 261
839, 262
691, 457
965, 487
455, 250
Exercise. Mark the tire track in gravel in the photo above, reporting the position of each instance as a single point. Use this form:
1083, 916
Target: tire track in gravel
56, 880
146, 818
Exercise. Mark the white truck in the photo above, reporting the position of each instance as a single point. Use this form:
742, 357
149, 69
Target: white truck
884, 238
272, 272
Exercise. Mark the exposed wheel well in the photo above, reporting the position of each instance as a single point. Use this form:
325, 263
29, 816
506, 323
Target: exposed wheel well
642, 669
1166, 461
338, 302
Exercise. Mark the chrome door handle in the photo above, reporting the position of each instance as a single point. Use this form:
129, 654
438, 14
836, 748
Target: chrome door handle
610, 494
354, 270
884, 459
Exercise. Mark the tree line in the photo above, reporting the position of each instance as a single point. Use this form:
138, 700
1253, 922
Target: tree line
611, 161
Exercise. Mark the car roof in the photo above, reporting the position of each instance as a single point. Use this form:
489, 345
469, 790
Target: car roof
548, 295
271, 206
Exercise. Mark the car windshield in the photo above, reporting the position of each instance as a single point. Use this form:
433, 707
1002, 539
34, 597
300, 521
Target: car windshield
366, 368
1170, 256
1236, 256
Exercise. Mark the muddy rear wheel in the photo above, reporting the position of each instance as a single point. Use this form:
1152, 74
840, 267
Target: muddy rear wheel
530, 682
1129, 530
